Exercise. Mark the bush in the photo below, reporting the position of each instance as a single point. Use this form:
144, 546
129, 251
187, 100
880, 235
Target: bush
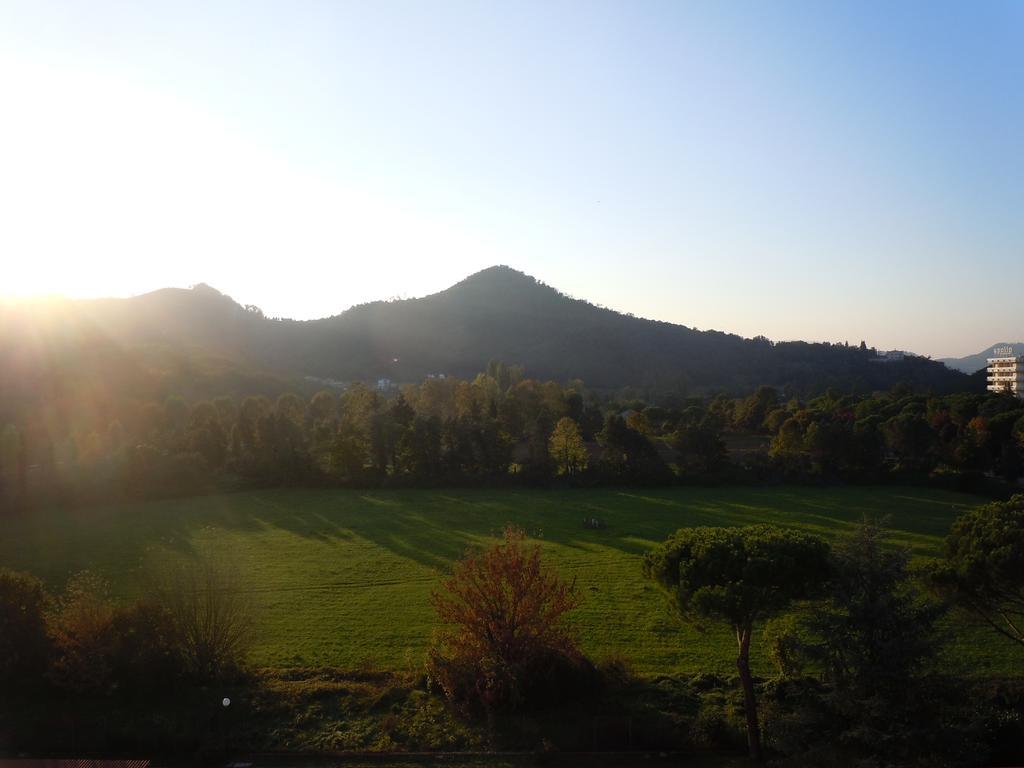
82, 632
506, 645
209, 615
815, 724
617, 671
719, 723
785, 648
146, 663
24, 644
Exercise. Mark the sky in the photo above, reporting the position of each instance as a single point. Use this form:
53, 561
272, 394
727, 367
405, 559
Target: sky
802, 170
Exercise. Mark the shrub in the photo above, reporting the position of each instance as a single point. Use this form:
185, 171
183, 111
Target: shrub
81, 629
506, 644
209, 614
146, 661
785, 648
24, 644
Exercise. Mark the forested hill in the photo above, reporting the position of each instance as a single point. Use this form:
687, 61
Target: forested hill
498, 313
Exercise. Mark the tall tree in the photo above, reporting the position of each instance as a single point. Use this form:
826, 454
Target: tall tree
204, 434
983, 571
740, 576
323, 417
419, 448
750, 412
873, 635
566, 447
698, 443
874, 629
629, 456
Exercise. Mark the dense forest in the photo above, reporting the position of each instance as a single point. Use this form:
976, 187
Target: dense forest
500, 427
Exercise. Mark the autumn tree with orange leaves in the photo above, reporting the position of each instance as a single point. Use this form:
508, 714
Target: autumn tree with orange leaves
505, 643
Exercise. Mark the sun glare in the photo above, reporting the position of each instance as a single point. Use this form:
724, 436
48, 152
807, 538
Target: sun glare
111, 188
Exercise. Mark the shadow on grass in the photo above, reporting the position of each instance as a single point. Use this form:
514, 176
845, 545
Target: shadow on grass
435, 528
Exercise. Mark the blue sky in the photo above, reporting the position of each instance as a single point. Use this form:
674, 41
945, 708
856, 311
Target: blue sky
826, 171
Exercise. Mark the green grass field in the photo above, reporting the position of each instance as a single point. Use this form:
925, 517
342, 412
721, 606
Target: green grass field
343, 578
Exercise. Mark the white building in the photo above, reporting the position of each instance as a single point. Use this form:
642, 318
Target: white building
892, 356
1006, 372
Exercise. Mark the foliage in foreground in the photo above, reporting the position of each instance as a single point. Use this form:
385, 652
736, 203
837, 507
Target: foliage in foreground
82, 672
506, 644
983, 572
209, 612
23, 639
873, 697
740, 576
874, 638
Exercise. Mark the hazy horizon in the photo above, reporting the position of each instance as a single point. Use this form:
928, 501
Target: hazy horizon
832, 173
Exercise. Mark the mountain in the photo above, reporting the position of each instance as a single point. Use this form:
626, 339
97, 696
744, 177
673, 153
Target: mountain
83, 359
498, 313
973, 363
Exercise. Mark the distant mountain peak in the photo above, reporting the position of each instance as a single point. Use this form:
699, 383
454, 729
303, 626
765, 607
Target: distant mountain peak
497, 313
501, 284
979, 360
207, 289
499, 269
500, 273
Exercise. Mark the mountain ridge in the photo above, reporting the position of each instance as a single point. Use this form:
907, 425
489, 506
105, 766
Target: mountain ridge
496, 313
979, 360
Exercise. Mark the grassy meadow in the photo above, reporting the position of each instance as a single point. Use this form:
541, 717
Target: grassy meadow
342, 578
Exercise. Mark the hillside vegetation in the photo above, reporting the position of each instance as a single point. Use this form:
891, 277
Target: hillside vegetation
498, 313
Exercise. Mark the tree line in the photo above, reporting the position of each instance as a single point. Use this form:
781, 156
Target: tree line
502, 427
